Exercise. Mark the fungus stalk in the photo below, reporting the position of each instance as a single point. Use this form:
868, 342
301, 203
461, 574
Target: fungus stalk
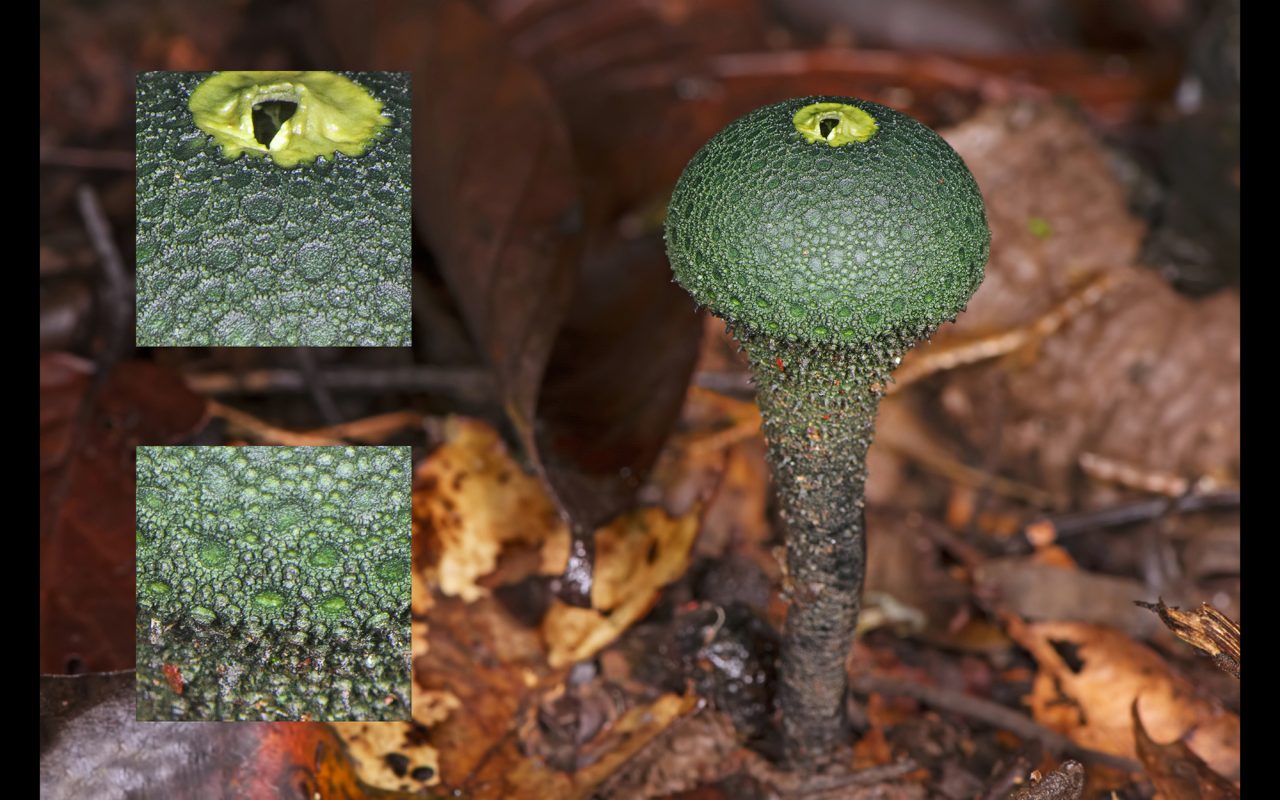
819, 407
830, 234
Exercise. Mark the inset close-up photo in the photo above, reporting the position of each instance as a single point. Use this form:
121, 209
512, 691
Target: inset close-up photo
273, 208
273, 583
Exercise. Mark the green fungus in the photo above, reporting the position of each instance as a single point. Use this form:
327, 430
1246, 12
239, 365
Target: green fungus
867, 232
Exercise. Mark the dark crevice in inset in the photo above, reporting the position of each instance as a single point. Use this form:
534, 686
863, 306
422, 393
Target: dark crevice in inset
268, 116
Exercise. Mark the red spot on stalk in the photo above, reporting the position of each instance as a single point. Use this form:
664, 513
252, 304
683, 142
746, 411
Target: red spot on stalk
174, 676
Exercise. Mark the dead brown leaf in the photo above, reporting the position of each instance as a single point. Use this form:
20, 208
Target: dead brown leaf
471, 500
1089, 677
490, 665
617, 373
504, 222
494, 671
1177, 772
1039, 591
574, 316
908, 587
1144, 376
391, 755
86, 501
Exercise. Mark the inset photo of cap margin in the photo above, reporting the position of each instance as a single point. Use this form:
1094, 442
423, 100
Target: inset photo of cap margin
273, 209
273, 583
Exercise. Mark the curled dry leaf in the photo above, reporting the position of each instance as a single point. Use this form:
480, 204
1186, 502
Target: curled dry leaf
590, 342
481, 522
1207, 629
702, 749
622, 741
483, 667
486, 672
472, 501
637, 555
1090, 675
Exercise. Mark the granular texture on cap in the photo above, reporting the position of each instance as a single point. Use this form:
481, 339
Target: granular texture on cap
829, 221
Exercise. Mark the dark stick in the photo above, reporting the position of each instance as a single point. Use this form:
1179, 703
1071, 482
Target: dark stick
315, 386
114, 299
1140, 511
469, 383
1000, 788
86, 158
807, 785
993, 714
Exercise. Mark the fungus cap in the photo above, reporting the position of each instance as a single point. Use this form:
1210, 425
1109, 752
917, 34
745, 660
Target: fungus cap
829, 220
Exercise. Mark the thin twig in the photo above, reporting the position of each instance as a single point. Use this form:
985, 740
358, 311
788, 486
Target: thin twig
953, 543
993, 714
946, 356
922, 363
1015, 773
87, 158
265, 432
947, 467
315, 386
368, 430
1146, 479
792, 784
474, 383
959, 472
737, 385
1073, 523
114, 298
375, 429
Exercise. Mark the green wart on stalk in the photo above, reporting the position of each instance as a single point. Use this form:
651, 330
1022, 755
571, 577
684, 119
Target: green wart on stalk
830, 234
